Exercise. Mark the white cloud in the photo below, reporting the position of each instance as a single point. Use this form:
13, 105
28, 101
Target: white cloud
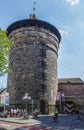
63, 32
73, 2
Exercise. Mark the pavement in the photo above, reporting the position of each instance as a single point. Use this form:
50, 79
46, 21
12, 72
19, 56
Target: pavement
66, 122
21, 120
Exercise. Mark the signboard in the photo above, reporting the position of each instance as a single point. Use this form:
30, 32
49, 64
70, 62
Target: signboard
59, 96
3, 99
6, 100
62, 97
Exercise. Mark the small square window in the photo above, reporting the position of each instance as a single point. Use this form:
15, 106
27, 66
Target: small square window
43, 86
43, 64
43, 53
43, 74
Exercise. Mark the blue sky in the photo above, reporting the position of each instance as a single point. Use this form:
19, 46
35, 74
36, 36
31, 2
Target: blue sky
67, 16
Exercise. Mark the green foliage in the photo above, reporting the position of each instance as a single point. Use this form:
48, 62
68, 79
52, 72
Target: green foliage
5, 46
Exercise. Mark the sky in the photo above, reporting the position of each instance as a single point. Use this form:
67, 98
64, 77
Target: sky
67, 16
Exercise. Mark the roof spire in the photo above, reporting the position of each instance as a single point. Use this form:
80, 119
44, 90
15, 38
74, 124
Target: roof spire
34, 9
33, 16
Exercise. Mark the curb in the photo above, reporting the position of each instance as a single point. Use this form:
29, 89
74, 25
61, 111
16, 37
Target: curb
18, 121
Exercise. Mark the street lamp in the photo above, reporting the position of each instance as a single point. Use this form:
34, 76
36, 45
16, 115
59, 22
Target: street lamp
27, 97
32, 107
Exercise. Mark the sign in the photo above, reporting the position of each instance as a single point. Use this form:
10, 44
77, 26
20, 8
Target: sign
3, 99
59, 96
6, 100
62, 97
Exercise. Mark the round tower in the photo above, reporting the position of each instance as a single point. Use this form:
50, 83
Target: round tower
33, 61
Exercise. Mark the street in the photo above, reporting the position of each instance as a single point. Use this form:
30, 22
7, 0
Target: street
44, 122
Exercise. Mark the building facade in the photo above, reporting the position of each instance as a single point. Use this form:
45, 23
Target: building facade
73, 92
33, 61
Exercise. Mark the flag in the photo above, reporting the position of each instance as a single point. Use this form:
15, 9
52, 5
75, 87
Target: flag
62, 97
59, 96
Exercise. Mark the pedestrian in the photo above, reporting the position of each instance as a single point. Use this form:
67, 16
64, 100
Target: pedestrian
78, 112
14, 112
56, 115
35, 112
26, 116
11, 113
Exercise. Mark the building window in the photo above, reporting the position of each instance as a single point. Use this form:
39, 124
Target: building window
43, 86
43, 74
43, 63
43, 52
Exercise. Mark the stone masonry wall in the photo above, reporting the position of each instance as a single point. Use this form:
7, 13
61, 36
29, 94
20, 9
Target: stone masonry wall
73, 92
33, 60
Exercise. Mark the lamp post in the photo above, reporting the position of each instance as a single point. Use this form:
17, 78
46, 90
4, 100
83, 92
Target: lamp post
6, 100
32, 107
27, 97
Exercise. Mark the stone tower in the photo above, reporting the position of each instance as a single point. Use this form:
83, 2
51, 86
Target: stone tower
33, 61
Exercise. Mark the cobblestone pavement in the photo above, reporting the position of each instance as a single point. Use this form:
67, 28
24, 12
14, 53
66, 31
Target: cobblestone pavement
43, 122
66, 122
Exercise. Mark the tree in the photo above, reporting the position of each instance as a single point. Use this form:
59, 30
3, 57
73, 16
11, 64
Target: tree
5, 46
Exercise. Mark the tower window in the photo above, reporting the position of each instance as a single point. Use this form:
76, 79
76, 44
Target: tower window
43, 64
42, 44
43, 74
43, 87
43, 53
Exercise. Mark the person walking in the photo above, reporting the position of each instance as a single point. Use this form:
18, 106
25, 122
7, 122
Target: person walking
56, 115
35, 114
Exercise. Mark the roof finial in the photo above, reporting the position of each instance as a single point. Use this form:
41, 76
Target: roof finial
33, 16
34, 9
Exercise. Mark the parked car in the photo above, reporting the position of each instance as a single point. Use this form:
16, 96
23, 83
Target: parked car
2, 114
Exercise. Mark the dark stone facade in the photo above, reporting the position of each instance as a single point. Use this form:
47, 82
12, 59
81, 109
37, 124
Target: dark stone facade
33, 61
73, 89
